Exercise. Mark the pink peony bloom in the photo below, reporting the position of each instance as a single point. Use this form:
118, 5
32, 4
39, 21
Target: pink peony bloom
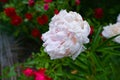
66, 36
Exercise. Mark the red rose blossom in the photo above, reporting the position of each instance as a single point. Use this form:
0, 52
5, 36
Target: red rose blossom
28, 16
42, 19
28, 72
48, 1
77, 2
31, 2
16, 20
98, 13
10, 12
56, 11
46, 6
35, 33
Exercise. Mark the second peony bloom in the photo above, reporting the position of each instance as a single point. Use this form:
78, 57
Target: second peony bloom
66, 36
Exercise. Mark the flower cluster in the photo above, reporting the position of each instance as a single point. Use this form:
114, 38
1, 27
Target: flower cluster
15, 19
38, 75
42, 19
20, 20
66, 36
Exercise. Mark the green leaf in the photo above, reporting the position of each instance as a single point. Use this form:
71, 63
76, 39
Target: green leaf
106, 42
96, 39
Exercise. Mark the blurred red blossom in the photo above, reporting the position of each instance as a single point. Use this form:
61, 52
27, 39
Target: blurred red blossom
16, 20
46, 6
56, 11
98, 13
28, 16
48, 1
91, 30
37, 74
77, 2
4, 1
10, 12
35, 33
28, 72
42, 19
31, 2
40, 75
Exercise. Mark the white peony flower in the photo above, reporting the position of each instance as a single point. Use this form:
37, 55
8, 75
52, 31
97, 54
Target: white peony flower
118, 18
66, 36
112, 30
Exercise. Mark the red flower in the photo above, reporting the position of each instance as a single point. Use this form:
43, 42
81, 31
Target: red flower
31, 2
91, 30
42, 19
48, 1
28, 16
98, 13
35, 33
4, 1
46, 6
16, 20
28, 72
10, 12
56, 11
40, 75
77, 2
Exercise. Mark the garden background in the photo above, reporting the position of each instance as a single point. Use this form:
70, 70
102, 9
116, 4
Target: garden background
22, 56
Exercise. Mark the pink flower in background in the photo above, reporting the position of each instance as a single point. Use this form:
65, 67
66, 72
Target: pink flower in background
28, 16
112, 30
48, 1
77, 2
98, 13
16, 20
35, 33
42, 19
28, 72
46, 6
31, 2
56, 11
37, 74
10, 12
